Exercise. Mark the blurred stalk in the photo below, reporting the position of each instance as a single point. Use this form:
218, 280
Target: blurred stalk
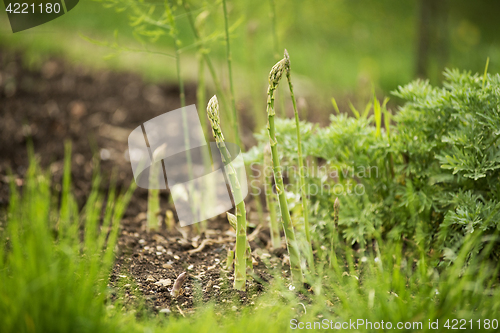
335, 236
202, 50
153, 197
235, 118
174, 33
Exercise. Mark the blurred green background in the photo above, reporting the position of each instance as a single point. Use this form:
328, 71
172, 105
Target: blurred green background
340, 48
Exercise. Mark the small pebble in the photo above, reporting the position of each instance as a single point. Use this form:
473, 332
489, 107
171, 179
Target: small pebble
166, 311
176, 257
150, 279
164, 282
167, 265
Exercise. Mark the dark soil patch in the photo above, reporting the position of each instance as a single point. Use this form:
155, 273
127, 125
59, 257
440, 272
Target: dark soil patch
96, 111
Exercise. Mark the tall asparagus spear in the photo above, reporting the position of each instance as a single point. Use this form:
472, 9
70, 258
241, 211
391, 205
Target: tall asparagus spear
305, 207
293, 249
241, 222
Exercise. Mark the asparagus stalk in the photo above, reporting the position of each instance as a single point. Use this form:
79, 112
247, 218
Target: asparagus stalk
299, 150
241, 223
230, 258
154, 192
271, 200
305, 208
153, 198
233, 221
293, 249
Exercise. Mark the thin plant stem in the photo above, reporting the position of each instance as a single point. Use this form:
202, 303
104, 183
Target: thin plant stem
177, 45
335, 236
153, 197
204, 52
200, 97
272, 4
241, 222
293, 249
485, 72
174, 33
235, 118
299, 152
302, 182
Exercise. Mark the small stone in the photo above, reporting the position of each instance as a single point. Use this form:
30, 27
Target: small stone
176, 257
190, 267
209, 286
105, 154
167, 266
234, 308
77, 109
142, 241
150, 279
165, 311
164, 282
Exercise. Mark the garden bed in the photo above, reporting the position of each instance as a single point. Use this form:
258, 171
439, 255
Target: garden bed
96, 111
